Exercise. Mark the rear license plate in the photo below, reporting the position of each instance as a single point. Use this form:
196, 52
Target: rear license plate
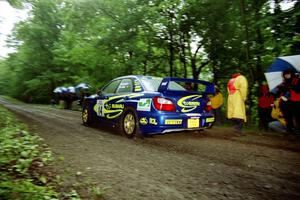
193, 123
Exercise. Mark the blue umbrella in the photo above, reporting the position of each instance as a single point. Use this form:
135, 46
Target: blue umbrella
274, 72
60, 90
82, 86
57, 90
71, 89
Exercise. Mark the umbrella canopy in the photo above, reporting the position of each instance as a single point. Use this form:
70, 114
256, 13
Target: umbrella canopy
82, 86
71, 89
60, 90
274, 72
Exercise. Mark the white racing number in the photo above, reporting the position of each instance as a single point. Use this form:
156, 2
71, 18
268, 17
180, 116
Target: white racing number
100, 110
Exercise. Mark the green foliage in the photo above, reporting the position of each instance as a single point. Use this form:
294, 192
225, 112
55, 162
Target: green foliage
253, 110
98, 192
24, 190
23, 159
4, 74
16, 3
19, 151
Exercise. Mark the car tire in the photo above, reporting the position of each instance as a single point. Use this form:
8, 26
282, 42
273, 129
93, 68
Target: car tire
87, 118
129, 124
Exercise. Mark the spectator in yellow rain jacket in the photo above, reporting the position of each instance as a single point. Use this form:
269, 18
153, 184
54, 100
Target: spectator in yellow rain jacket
237, 95
279, 125
216, 102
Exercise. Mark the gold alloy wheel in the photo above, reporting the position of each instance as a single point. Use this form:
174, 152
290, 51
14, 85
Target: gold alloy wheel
129, 123
85, 115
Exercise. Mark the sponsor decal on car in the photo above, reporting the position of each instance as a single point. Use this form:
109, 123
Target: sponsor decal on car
99, 107
112, 107
115, 106
189, 103
211, 119
144, 105
173, 121
137, 86
143, 121
152, 121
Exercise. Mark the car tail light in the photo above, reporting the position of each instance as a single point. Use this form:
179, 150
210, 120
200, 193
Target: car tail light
208, 107
163, 104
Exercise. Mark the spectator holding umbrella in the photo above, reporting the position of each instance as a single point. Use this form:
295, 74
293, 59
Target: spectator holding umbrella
69, 97
58, 95
289, 90
82, 91
284, 82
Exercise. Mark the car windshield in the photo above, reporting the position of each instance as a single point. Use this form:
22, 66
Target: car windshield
151, 83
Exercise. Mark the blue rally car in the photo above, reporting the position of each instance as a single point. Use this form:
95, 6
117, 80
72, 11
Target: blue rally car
151, 105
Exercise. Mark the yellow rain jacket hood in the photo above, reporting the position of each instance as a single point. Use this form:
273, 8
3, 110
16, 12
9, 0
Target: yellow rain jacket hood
277, 114
237, 94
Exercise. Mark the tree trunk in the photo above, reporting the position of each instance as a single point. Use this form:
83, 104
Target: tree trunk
260, 42
145, 67
182, 55
247, 48
171, 57
194, 69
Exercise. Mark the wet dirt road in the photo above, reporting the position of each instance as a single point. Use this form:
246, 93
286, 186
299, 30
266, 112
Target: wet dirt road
212, 164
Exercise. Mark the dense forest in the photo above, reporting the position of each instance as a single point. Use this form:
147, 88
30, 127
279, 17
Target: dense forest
65, 42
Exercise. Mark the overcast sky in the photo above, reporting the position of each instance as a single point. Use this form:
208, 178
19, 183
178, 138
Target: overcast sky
9, 16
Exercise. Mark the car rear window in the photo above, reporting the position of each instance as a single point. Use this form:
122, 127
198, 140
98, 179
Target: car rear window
186, 86
151, 84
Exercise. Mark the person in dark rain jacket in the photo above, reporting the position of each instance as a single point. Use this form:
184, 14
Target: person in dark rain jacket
289, 90
265, 101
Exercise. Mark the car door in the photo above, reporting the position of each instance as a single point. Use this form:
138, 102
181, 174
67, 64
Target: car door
111, 104
107, 92
115, 105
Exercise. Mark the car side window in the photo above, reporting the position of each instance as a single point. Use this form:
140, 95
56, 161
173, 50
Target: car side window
111, 88
126, 86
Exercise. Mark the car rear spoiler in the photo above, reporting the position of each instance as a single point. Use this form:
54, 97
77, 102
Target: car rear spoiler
210, 87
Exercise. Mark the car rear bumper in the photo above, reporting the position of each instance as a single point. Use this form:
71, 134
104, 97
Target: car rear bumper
163, 123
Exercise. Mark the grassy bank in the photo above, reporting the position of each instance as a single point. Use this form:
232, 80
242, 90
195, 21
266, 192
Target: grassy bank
25, 164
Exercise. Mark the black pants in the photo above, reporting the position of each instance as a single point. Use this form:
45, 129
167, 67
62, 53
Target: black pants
291, 113
238, 124
218, 116
264, 117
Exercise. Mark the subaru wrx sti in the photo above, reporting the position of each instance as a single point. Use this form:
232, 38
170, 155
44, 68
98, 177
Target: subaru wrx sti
151, 105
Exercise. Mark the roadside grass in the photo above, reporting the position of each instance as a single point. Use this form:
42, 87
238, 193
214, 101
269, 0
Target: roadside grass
11, 99
25, 164
27, 171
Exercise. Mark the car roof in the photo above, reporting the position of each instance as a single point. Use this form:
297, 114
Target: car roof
135, 76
